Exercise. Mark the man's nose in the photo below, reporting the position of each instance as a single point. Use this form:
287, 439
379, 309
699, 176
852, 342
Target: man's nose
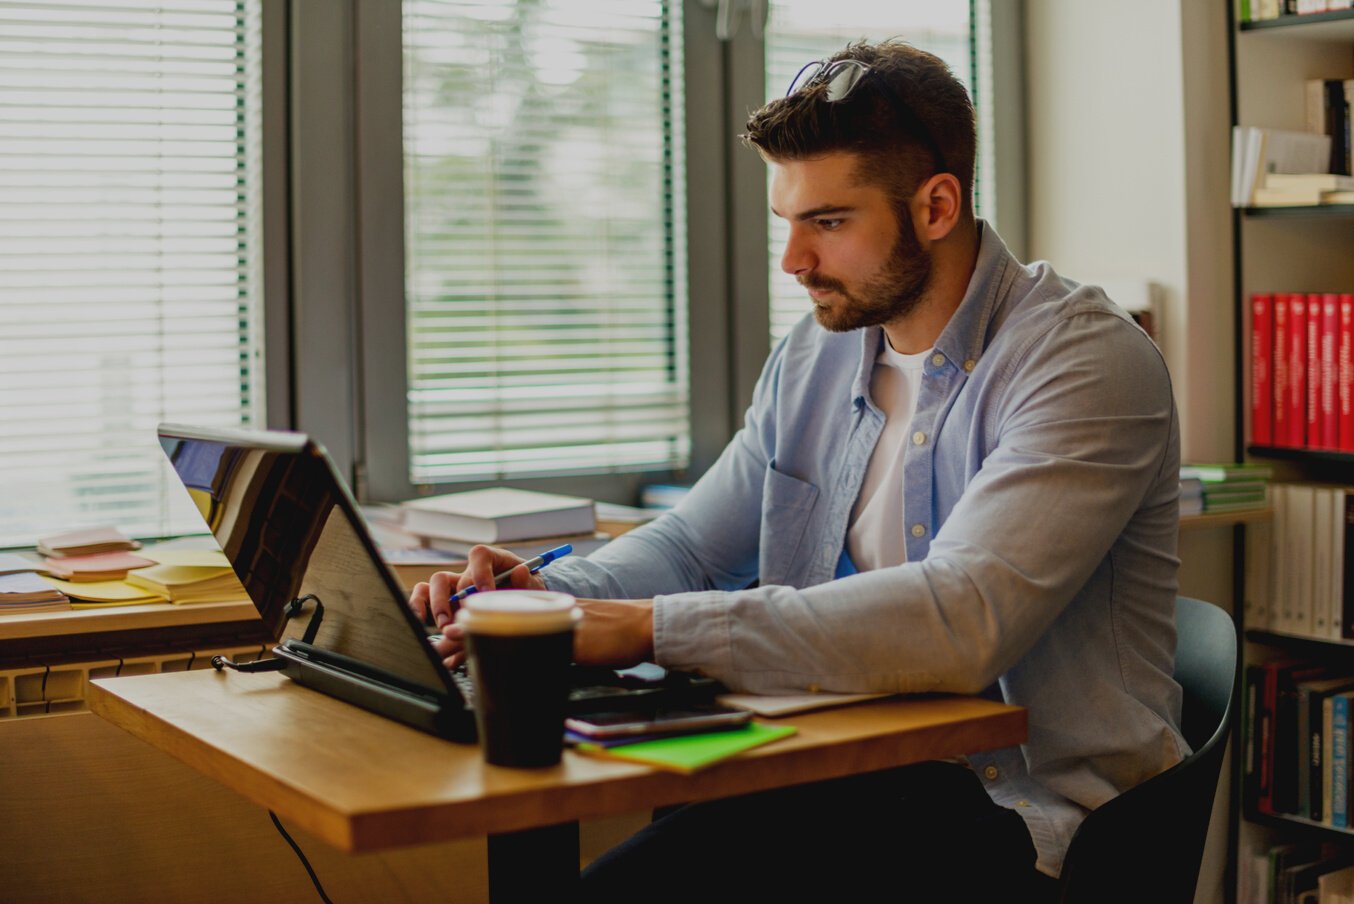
798, 255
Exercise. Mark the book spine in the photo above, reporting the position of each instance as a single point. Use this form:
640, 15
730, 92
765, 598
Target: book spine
1303, 750
1344, 393
1346, 545
1264, 798
1315, 110
1297, 370
1316, 744
1347, 87
1323, 593
1312, 404
1288, 757
1302, 508
1279, 369
1327, 754
1336, 529
1330, 333
1262, 379
1250, 769
1280, 588
1255, 605
1337, 126
1339, 761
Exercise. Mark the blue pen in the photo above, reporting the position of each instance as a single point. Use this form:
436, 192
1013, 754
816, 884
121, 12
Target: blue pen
533, 566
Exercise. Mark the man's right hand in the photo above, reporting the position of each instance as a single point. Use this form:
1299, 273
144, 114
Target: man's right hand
434, 595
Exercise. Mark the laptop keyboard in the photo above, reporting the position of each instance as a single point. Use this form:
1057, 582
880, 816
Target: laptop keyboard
460, 676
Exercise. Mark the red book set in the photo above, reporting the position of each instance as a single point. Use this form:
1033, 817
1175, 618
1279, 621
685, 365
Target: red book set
1302, 370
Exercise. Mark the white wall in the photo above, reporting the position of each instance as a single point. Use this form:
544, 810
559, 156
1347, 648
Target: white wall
1128, 177
1128, 137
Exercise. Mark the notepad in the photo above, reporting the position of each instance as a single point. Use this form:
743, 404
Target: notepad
688, 753
105, 593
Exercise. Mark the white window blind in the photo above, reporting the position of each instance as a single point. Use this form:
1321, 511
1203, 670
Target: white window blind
799, 31
545, 256
128, 252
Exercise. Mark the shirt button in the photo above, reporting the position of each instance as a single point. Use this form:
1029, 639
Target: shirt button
937, 359
813, 688
990, 772
918, 438
1022, 803
918, 530
969, 365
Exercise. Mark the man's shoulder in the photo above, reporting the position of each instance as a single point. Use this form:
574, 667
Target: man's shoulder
1042, 300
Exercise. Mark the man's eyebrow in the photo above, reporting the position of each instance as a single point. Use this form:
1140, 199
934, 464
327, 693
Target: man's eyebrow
810, 214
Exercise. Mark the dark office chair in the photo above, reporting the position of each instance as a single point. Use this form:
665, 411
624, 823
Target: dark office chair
1146, 844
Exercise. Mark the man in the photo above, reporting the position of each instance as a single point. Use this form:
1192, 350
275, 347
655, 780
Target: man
962, 477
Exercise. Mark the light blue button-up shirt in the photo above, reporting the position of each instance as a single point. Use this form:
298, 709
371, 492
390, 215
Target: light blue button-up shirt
1040, 510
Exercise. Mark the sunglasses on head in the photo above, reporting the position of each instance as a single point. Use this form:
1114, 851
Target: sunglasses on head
840, 78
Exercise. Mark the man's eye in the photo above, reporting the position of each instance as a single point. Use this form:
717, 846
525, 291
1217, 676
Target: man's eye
827, 224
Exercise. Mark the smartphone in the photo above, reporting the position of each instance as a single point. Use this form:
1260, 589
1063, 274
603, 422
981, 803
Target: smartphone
665, 720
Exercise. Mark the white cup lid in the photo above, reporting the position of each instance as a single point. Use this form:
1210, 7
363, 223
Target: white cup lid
518, 612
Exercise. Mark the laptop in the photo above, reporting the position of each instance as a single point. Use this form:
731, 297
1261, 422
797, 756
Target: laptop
337, 617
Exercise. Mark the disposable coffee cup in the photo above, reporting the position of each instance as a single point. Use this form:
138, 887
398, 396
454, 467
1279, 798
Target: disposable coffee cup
520, 644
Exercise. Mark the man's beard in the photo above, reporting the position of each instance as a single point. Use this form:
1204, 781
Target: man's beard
887, 296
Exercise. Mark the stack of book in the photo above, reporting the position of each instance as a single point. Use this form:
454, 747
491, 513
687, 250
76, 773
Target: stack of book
1296, 735
89, 566
1226, 487
1300, 566
22, 591
1191, 496
87, 542
523, 522
1303, 190
1258, 152
1297, 873
185, 576
1260, 10
101, 566
1302, 370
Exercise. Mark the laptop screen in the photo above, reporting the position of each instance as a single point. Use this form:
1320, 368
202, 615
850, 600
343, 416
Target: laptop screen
290, 529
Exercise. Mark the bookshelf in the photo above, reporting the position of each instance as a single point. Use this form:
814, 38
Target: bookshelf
1309, 212
1283, 249
1224, 519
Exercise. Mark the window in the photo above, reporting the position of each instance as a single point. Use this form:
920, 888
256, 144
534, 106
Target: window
798, 32
545, 265
129, 252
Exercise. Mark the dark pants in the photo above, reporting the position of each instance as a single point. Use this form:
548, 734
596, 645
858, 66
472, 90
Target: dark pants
922, 833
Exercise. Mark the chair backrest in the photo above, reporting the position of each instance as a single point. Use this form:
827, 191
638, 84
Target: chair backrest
1146, 844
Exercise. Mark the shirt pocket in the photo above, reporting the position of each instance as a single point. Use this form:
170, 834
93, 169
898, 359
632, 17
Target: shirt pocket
787, 503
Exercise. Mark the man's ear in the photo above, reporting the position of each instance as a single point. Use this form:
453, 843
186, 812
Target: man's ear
938, 206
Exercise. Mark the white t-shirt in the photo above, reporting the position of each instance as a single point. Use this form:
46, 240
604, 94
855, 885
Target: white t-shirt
875, 538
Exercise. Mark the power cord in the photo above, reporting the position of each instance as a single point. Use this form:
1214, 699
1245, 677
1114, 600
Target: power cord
314, 879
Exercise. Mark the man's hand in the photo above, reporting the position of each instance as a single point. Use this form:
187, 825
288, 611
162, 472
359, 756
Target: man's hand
434, 595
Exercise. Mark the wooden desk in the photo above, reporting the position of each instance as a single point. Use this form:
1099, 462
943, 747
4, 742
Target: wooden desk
365, 783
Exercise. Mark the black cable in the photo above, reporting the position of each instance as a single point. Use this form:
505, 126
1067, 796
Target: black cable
314, 879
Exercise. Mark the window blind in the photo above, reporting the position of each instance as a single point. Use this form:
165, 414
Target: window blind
544, 237
128, 252
800, 31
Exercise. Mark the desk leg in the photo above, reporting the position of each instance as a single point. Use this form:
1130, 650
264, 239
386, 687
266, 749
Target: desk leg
533, 864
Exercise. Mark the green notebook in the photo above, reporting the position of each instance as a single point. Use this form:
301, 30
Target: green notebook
687, 753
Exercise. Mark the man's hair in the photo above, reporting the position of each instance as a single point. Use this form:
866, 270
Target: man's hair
908, 119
